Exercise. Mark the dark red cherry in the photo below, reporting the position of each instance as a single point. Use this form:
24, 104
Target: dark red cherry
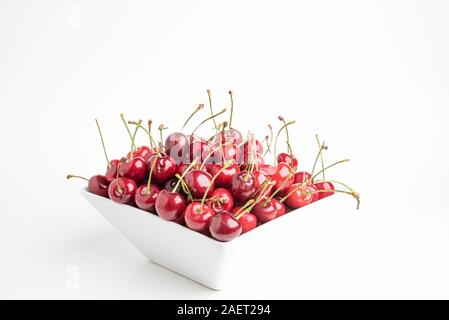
231, 135
265, 212
196, 218
280, 207
248, 221
198, 181
224, 227
227, 152
281, 175
170, 205
164, 169
220, 200
324, 186
243, 186
289, 159
177, 146
299, 196
142, 152
135, 169
224, 179
98, 185
198, 148
145, 197
111, 172
260, 179
268, 169
252, 146
302, 176
170, 184
248, 160
122, 190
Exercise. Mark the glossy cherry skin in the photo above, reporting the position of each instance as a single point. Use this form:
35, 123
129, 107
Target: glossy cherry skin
177, 146
135, 169
280, 207
289, 159
111, 171
243, 186
282, 172
170, 205
224, 179
299, 198
142, 152
98, 185
248, 221
198, 181
248, 160
164, 169
146, 198
122, 190
260, 179
312, 189
268, 169
232, 135
170, 184
324, 186
220, 200
302, 176
198, 148
225, 152
197, 219
265, 212
252, 146
224, 227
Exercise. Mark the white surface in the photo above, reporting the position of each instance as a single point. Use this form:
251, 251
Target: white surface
371, 77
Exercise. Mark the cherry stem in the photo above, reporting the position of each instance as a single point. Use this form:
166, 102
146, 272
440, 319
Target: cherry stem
162, 128
184, 186
153, 165
225, 166
212, 152
290, 175
277, 137
210, 106
70, 176
207, 119
321, 147
191, 165
269, 143
329, 166
102, 143
289, 148
200, 106
243, 209
247, 208
232, 109
321, 155
122, 116
354, 194
148, 132
133, 145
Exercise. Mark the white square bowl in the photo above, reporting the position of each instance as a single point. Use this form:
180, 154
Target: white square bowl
212, 263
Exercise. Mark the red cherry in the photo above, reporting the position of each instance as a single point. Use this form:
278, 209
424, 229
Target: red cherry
231, 135
145, 199
260, 179
225, 152
289, 159
177, 146
198, 148
164, 169
170, 184
196, 218
141, 152
280, 207
248, 160
324, 186
282, 172
268, 169
198, 181
224, 227
122, 190
265, 212
224, 179
302, 176
243, 186
98, 185
315, 195
299, 196
220, 200
248, 221
252, 146
170, 205
135, 169
111, 172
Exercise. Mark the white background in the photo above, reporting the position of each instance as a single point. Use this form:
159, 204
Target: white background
371, 77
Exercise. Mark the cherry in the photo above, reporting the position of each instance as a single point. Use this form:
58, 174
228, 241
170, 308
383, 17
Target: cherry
224, 179
312, 189
220, 200
177, 146
225, 152
281, 177
265, 210
224, 227
252, 146
97, 184
298, 196
261, 178
145, 197
248, 221
302, 177
143, 152
198, 182
289, 159
198, 148
164, 169
197, 216
112, 170
122, 190
248, 160
243, 185
135, 169
268, 169
280, 207
170, 205
170, 184
323, 186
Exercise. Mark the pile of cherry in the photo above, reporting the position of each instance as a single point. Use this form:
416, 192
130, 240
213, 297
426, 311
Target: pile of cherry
220, 186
